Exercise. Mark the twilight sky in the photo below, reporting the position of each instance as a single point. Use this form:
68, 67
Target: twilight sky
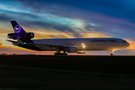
69, 19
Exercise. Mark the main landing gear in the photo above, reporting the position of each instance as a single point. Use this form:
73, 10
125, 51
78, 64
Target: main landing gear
58, 53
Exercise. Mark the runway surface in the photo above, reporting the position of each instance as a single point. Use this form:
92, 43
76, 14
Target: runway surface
66, 73
23, 78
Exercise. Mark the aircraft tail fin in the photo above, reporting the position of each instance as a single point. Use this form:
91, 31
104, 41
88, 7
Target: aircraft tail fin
17, 28
20, 33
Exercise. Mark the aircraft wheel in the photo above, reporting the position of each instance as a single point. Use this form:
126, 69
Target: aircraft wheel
60, 54
57, 54
111, 54
64, 54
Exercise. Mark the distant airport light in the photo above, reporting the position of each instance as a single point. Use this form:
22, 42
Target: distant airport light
83, 46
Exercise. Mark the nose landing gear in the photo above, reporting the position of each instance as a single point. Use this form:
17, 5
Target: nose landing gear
112, 52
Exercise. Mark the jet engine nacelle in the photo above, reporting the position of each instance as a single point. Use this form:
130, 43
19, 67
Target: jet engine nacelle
80, 52
71, 49
21, 35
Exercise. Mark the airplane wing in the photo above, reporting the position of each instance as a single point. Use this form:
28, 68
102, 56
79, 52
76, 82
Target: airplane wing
12, 41
51, 45
43, 45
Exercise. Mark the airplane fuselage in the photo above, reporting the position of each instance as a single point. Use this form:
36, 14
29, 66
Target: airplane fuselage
84, 44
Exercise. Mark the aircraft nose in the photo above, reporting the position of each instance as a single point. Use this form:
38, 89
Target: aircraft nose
128, 44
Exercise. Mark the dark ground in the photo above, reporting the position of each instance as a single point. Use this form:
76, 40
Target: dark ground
87, 72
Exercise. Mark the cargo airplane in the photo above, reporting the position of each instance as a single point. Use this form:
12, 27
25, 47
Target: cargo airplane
67, 45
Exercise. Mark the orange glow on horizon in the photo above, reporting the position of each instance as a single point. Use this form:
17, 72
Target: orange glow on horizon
132, 44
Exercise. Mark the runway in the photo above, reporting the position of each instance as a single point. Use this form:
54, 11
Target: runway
65, 73
23, 78
100, 64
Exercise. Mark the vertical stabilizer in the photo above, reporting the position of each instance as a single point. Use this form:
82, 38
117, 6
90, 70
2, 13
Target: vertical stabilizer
17, 28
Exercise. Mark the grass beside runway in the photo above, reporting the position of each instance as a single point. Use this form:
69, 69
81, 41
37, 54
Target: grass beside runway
103, 64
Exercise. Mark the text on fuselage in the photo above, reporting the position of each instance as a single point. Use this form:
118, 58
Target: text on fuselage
108, 40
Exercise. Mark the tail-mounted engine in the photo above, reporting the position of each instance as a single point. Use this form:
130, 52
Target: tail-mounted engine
21, 35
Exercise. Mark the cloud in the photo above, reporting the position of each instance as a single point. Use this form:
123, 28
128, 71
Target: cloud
54, 26
49, 35
113, 8
110, 20
38, 9
33, 21
94, 35
89, 27
0, 44
5, 17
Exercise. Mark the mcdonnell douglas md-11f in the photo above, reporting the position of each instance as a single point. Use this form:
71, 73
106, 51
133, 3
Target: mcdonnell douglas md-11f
67, 45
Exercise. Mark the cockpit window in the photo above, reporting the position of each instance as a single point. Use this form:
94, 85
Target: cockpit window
123, 41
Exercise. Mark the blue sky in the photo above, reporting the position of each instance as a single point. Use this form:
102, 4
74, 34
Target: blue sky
71, 19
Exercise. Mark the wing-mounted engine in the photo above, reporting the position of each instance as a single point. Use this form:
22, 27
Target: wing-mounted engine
80, 52
21, 35
71, 49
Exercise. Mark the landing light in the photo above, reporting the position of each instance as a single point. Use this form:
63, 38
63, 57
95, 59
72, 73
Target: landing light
83, 45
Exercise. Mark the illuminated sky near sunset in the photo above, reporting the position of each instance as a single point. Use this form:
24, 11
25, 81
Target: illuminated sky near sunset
69, 19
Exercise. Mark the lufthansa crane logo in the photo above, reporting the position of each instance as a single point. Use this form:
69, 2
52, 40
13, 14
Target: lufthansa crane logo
17, 28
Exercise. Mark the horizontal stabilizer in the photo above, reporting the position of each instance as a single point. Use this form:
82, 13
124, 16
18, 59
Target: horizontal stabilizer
11, 41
